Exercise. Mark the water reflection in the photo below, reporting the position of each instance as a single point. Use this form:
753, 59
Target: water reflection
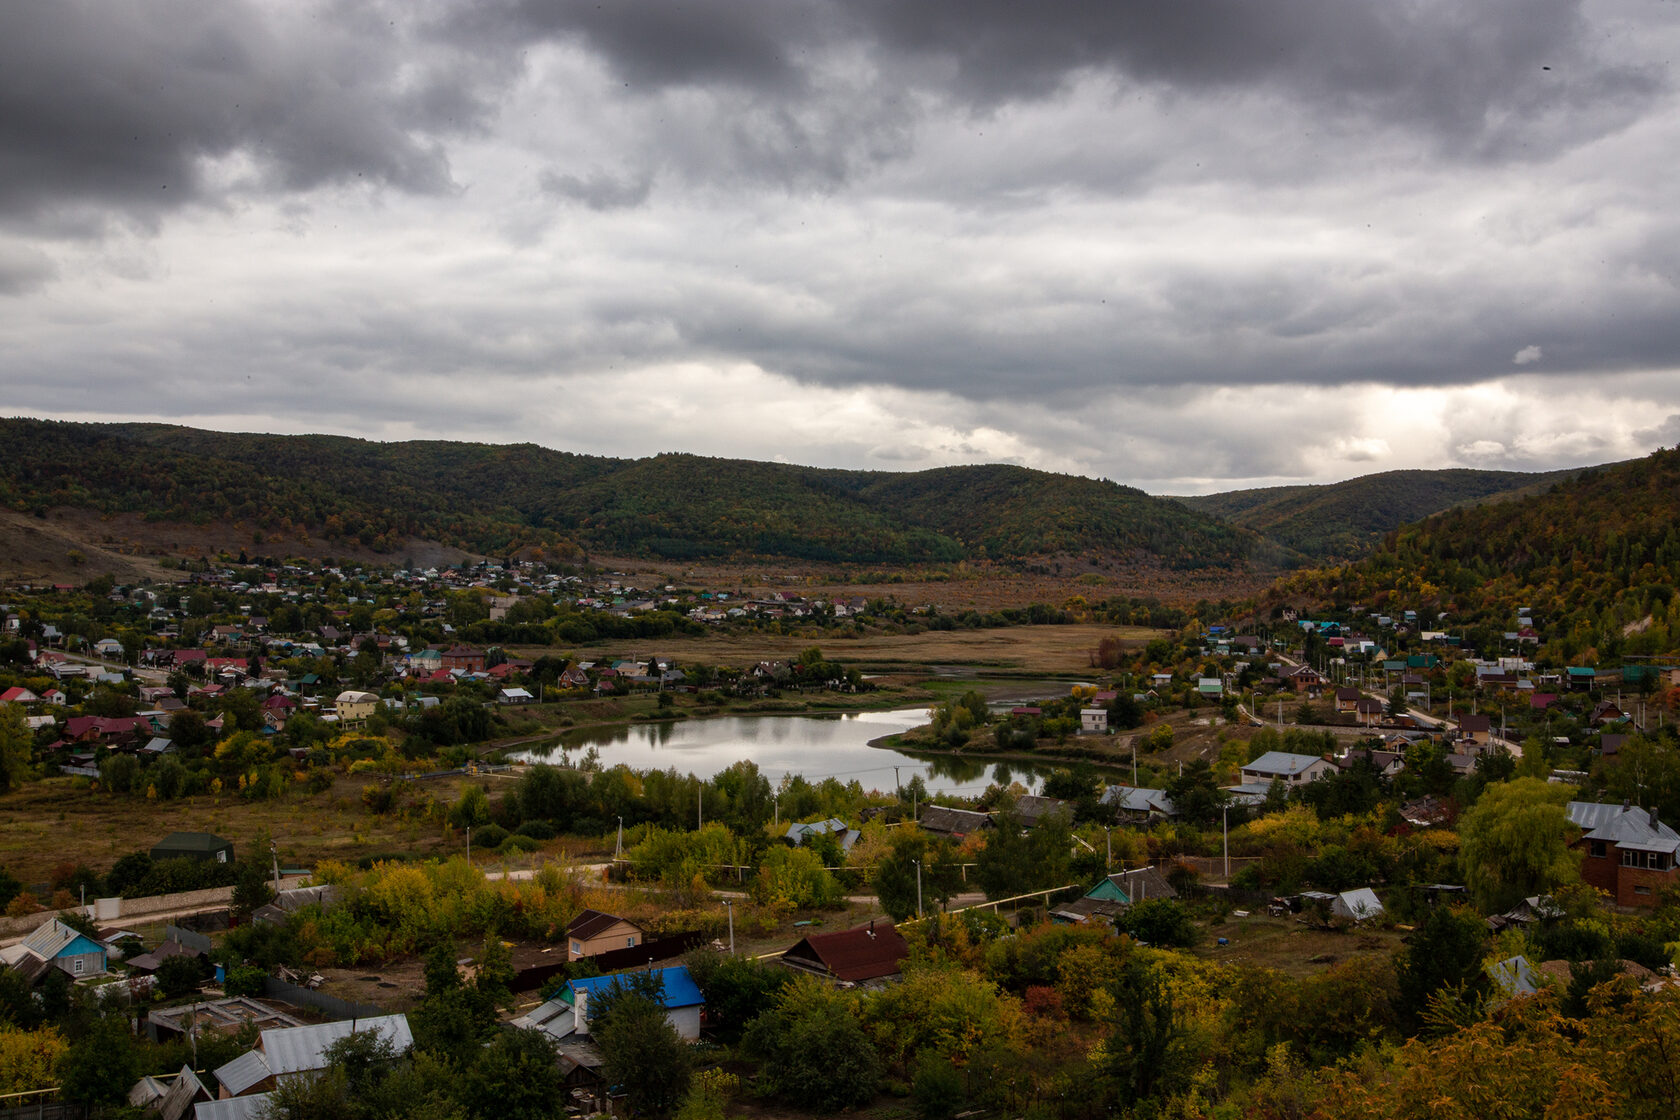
817, 747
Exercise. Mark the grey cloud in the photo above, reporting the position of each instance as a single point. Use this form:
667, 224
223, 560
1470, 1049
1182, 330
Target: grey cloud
1665, 434
600, 190
120, 106
1486, 80
24, 269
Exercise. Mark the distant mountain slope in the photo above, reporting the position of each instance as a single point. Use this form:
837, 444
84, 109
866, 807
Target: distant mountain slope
497, 499
1595, 558
1346, 519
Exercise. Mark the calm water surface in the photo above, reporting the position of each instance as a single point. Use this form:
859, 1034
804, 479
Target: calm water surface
815, 746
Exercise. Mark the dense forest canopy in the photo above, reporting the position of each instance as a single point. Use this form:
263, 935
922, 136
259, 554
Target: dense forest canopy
496, 499
1594, 559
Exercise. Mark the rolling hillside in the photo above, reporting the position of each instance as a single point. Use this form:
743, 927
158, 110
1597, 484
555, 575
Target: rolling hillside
332, 491
1346, 519
1595, 558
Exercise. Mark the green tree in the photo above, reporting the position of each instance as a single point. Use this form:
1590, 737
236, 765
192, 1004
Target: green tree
895, 875
813, 1052
1016, 859
644, 1053
1514, 842
514, 1078
99, 1067
16, 745
1161, 922
471, 809
1445, 952
737, 989
1146, 1051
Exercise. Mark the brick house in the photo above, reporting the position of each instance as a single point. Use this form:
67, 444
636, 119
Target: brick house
1629, 853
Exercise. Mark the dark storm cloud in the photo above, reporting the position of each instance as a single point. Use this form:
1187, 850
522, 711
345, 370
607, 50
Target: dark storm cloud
119, 106
1486, 79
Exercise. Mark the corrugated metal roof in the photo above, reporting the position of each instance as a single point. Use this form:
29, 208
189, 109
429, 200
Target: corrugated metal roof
243, 1073
1625, 826
254, 1107
295, 1049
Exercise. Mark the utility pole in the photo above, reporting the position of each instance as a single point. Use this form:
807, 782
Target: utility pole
1108, 844
618, 852
699, 809
275, 856
729, 905
1225, 831
918, 888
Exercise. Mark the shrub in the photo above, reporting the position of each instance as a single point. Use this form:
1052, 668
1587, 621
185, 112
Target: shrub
245, 980
536, 830
519, 842
490, 836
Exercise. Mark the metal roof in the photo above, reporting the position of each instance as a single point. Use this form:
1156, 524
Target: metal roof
297, 1049
1626, 826
254, 1107
243, 1073
864, 953
1279, 762
677, 987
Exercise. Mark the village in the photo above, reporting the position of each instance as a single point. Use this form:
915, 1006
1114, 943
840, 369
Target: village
1305, 795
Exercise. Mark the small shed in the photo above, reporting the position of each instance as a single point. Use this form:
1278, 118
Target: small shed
204, 846
1361, 905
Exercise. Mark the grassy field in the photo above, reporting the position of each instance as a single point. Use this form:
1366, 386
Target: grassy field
59, 820
1291, 946
1042, 650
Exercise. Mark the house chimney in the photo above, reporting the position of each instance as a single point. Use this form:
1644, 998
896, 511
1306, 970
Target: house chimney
1655, 824
1627, 803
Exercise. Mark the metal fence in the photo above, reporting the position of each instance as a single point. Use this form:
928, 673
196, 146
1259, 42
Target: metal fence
330, 1006
194, 941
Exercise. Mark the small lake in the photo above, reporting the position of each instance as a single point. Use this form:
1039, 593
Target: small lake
816, 746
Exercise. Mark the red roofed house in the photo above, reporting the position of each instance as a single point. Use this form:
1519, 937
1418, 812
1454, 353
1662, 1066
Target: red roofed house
851, 955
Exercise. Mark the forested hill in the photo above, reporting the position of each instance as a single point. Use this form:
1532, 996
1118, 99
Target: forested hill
497, 499
1596, 558
1344, 520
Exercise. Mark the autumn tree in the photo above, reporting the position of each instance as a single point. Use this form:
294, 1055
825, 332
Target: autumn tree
1515, 842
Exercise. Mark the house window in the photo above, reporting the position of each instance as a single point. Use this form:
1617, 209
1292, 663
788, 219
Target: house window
79, 967
1641, 890
630, 942
1597, 847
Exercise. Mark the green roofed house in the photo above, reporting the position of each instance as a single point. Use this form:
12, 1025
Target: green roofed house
194, 845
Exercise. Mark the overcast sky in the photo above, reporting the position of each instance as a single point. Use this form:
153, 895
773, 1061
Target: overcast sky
1190, 246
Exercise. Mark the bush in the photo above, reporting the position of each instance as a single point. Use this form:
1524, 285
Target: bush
937, 1089
245, 980
1160, 922
490, 836
536, 830
519, 842
177, 976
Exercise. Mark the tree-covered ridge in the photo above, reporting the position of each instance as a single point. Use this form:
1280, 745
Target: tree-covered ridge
496, 499
1347, 519
1595, 559
1012, 511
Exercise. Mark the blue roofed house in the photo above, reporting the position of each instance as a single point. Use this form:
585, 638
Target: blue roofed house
60, 946
678, 992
